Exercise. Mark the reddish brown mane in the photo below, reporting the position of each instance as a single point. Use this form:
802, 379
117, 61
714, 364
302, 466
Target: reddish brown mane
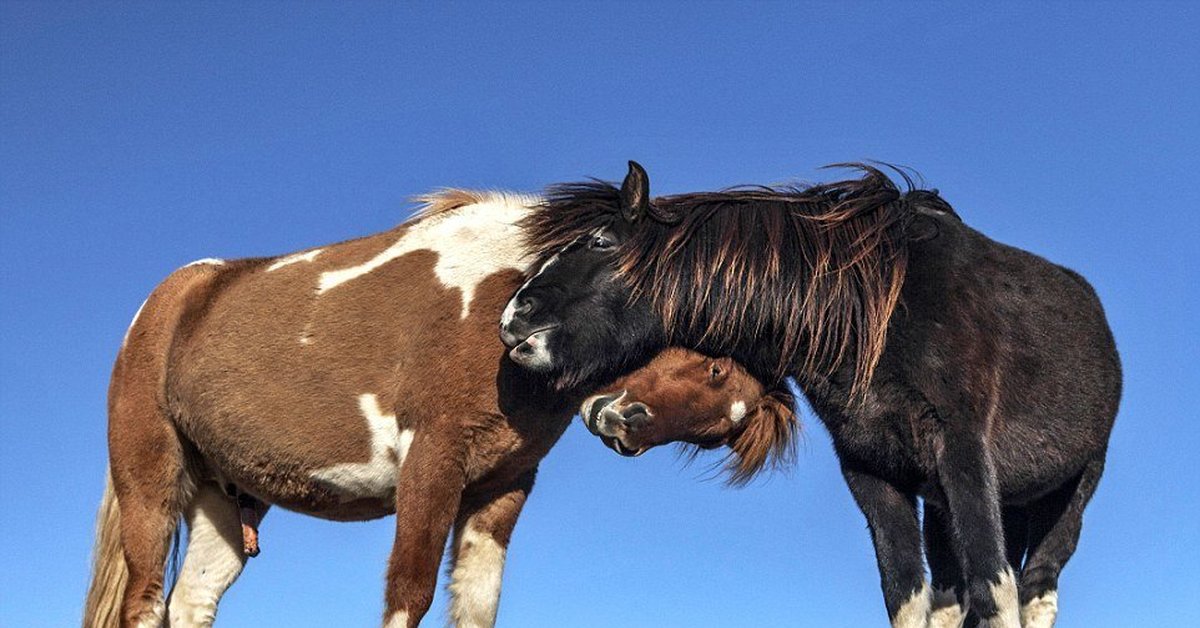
768, 440
819, 268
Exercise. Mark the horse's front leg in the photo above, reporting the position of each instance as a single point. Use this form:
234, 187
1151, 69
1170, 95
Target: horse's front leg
892, 518
968, 478
428, 492
481, 534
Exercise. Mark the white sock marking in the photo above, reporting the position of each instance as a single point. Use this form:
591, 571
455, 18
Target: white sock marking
295, 258
153, 618
475, 581
1041, 611
472, 242
945, 611
914, 613
1004, 594
212, 563
376, 477
399, 619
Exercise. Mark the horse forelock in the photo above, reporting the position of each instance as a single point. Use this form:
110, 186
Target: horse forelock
817, 270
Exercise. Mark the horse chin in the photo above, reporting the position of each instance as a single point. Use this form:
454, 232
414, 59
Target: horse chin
616, 445
533, 354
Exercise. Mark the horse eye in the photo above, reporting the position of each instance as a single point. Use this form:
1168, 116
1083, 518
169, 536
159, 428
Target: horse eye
600, 242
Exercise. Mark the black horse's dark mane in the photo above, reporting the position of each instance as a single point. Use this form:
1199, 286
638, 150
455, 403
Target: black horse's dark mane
818, 268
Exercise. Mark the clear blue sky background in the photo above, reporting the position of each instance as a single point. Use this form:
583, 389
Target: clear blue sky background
137, 137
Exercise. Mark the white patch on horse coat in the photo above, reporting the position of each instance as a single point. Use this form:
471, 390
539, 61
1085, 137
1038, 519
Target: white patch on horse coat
295, 258
914, 613
375, 478
945, 611
208, 260
510, 310
472, 242
399, 619
213, 561
1041, 611
737, 411
475, 581
1004, 594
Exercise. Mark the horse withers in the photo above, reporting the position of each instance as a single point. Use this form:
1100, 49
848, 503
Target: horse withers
947, 367
346, 382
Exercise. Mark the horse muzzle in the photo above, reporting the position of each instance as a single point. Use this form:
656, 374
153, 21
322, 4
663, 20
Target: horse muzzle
616, 423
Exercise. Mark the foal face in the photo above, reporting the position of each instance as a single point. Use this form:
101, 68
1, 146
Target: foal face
680, 396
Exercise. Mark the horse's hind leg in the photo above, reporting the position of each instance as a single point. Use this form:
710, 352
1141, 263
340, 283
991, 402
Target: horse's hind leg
968, 477
1054, 525
150, 483
948, 608
214, 557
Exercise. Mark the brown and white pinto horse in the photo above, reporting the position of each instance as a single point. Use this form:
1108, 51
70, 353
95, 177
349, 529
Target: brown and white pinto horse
346, 382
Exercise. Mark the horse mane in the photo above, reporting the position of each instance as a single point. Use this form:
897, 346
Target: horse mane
768, 439
445, 200
789, 280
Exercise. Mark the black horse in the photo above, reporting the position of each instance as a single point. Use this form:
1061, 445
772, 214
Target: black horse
945, 365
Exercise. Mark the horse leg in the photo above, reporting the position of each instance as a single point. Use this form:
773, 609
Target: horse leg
151, 484
481, 535
968, 479
949, 605
892, 519
214, 557
1055, 521
428, 494
1015, 520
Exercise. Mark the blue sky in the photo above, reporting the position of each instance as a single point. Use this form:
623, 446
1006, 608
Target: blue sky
137, 137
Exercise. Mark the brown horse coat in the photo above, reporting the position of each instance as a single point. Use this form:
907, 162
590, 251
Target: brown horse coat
345, 382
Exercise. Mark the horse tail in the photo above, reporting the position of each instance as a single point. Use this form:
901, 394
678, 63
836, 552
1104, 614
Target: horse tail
109, 572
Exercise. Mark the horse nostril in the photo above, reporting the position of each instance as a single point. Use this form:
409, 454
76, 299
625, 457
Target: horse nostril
593, 408
526, 305
636, 412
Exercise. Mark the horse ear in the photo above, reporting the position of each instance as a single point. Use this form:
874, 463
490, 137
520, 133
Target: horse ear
635, 193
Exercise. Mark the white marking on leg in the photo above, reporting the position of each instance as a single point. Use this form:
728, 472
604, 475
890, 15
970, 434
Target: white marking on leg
1004, 595
208, 260
399, 619
295, 258
475, 581
737, 411
375, 478
945, 611
1041, 611
213, 561
471, 242
153, 618
914, 613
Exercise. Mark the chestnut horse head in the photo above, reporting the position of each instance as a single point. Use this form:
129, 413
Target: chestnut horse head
685, 396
